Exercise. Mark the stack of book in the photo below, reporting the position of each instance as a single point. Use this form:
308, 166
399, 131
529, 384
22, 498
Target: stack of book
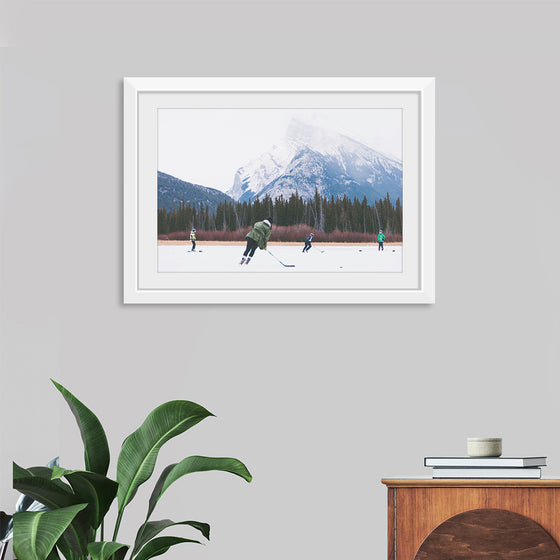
485, 467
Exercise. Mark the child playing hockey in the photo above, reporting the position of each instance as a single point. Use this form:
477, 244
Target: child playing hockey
193, 239
308, 241
380, 240
257, 237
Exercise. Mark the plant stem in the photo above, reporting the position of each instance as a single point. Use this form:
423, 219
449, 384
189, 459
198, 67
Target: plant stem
117, 525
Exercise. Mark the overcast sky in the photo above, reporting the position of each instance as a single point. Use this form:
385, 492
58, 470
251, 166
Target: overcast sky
207, 146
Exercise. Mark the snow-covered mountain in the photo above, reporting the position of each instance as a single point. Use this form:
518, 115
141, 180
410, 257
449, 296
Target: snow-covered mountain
311, 158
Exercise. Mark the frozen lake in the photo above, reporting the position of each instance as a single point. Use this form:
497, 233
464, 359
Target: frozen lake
320, 258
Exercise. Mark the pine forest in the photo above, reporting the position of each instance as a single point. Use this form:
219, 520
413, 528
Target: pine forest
332, 219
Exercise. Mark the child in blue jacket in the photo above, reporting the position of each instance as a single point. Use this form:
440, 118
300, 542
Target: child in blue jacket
308, 243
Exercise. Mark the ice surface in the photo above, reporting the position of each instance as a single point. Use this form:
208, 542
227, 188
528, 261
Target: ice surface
328, 258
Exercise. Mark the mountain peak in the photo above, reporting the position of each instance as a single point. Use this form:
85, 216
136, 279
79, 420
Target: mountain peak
316, 138
312, 158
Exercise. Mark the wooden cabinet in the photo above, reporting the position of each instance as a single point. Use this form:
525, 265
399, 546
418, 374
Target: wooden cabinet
507, 518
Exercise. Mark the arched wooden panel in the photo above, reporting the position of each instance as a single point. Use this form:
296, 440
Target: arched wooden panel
488, 534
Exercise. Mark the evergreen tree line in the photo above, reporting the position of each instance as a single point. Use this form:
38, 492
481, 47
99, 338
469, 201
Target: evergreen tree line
320, 213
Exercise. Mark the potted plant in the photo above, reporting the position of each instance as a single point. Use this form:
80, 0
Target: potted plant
77, 501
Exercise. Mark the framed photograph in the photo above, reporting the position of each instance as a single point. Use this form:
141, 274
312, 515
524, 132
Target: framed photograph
279, 190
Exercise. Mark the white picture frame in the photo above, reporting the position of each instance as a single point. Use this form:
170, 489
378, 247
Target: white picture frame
143, 284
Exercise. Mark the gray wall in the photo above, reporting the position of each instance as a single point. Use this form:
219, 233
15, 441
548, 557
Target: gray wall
320, 402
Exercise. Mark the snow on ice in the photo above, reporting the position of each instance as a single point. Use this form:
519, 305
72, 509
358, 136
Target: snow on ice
329, 258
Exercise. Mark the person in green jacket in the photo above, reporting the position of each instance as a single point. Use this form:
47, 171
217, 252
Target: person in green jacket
380, 239
257, 237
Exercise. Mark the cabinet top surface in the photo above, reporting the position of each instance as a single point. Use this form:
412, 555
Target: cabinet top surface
470, 482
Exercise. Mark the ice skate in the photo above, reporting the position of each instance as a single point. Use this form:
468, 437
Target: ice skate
242, 260
248, 260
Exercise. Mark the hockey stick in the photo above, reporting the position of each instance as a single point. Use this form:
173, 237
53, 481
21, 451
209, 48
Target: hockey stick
289, 265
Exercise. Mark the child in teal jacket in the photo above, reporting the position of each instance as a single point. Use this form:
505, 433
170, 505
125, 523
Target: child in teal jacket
380, 240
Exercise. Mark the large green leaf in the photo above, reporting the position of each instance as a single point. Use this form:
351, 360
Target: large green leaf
96, 448
173, 472
140, 449
47, 474
55, 494
36, 533
95, 489
149, 530
77, 536
25, 503
160, 546
51, 493
106, 550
